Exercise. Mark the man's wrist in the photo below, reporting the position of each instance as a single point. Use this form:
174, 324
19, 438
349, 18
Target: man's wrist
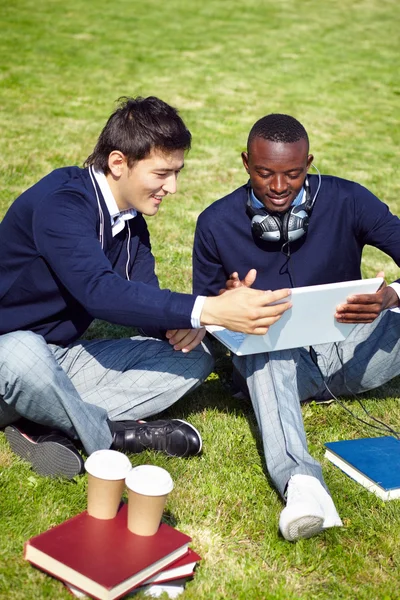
208, 314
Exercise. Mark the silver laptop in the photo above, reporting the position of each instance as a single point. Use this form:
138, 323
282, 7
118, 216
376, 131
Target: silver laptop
310, 321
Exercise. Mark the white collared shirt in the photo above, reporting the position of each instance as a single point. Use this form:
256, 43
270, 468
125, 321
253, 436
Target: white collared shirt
118, 219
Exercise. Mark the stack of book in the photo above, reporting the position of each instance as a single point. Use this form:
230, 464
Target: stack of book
104, 560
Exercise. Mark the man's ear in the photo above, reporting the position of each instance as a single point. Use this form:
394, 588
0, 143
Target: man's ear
310, 158
245, 159
116, 163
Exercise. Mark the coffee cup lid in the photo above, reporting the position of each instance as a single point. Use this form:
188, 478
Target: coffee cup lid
149, 480
108, 464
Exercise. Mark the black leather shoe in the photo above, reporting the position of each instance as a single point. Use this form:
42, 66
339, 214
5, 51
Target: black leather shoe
50, 454
174, 437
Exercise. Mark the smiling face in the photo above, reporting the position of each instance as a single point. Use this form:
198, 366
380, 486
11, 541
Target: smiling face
146, 184
277, 171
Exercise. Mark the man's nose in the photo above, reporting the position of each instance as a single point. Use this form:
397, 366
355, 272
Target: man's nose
279, 184
170, 184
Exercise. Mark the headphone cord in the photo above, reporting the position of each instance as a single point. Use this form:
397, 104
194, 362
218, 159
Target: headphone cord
385, 427
288, 255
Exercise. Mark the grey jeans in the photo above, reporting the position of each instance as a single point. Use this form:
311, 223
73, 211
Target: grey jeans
76, 389
279, 381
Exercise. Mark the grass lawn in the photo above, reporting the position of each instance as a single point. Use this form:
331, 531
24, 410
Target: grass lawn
224, 63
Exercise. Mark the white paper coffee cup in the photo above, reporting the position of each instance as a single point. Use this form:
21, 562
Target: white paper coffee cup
106, 470
148, 488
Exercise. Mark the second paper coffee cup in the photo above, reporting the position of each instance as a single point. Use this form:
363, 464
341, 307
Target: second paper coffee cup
148, 488
106, 470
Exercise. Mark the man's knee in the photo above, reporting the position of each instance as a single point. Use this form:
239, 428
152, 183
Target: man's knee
205, 362
21, 353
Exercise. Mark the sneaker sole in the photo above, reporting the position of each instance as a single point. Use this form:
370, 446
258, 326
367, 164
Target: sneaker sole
197, 432
303, 528
49, 459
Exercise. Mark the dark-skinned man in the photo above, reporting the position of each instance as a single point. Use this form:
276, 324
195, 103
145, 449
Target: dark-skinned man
287, 228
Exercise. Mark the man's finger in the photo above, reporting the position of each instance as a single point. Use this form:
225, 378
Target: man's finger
195, 341
170, 333
250, 278
356, 318
361, 299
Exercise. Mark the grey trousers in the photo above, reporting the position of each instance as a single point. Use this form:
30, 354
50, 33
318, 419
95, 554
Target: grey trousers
279, 381
76, 389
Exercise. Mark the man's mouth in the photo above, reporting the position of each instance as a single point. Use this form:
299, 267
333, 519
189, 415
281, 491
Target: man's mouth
279, 200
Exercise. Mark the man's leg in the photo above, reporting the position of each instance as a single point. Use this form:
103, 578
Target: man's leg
274, 382
134, 379
34, 386
367, 359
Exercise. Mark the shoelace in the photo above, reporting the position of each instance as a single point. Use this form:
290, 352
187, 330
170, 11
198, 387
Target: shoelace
155, 437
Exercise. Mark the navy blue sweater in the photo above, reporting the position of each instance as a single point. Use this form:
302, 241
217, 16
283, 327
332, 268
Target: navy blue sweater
346, 217
55, 277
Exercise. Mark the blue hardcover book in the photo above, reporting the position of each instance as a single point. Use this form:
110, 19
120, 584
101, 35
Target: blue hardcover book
372, 462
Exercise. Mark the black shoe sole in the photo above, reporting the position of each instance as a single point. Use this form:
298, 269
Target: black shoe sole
49, 459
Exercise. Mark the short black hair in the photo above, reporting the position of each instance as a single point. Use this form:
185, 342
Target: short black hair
278, 128
138, 126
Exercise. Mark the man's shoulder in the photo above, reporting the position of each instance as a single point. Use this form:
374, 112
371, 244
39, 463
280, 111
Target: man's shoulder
67, 177
338, 183
65, 182
343, 192
226, 205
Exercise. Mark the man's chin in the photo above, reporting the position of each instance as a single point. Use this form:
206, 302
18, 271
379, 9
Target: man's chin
151, 211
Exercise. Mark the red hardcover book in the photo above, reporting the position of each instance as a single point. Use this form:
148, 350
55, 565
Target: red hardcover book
102, 557
183, 567
175, 573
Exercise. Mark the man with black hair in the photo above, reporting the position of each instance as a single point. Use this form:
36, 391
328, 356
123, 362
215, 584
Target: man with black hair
74, 247
286, 228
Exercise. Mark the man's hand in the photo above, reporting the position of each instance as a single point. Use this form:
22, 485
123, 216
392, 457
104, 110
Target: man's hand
185, 339
246, 310
234, 281
365, 308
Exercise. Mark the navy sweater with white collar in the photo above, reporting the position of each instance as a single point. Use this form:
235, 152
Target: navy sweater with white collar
55, 278
345, 218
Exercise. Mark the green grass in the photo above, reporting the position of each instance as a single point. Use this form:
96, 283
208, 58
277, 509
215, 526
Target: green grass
223, 63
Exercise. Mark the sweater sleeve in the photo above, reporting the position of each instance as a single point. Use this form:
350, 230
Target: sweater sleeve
209, 275
375, 224
64, 226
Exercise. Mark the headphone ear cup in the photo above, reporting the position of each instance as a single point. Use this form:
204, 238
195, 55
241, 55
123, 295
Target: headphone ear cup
267, 227
297, 223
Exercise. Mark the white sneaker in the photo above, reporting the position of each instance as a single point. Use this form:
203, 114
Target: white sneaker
332, 518
309, 509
